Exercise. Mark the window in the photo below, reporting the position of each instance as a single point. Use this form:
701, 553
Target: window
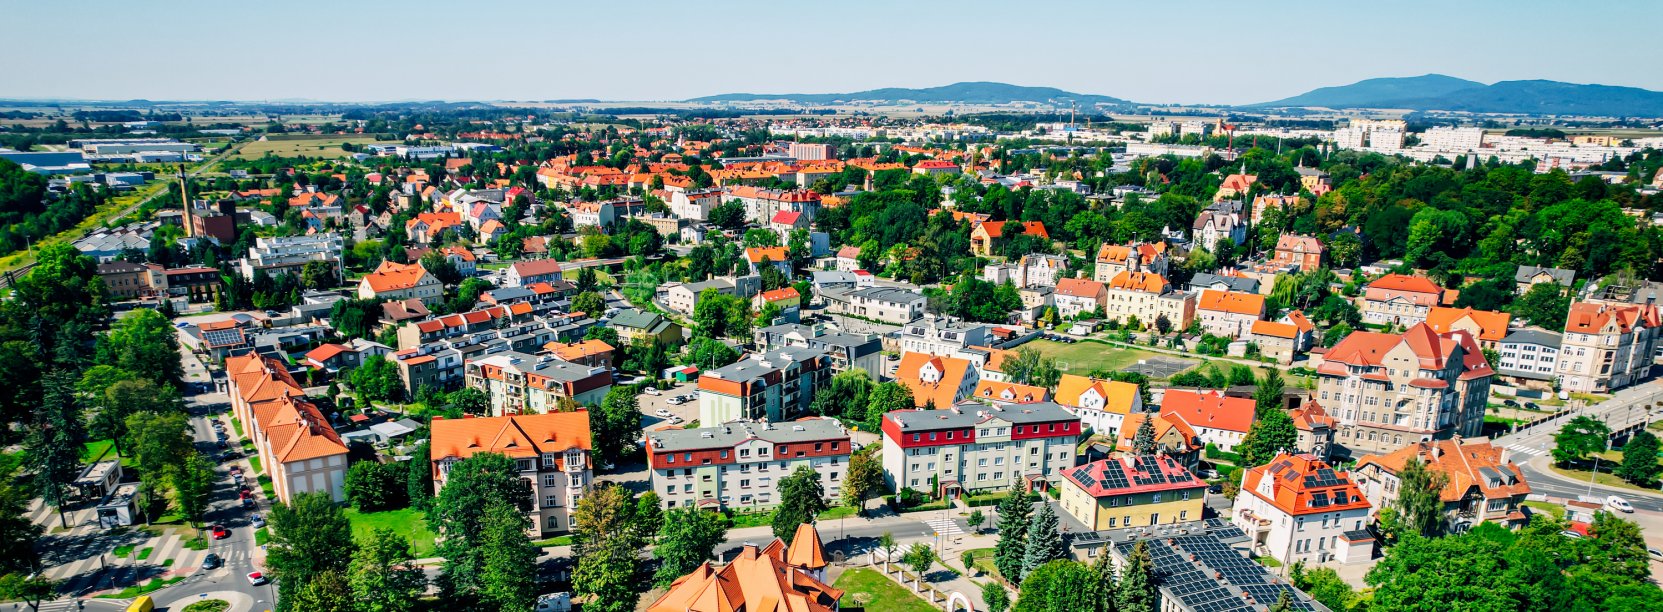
550, 501
724, 454
550, 481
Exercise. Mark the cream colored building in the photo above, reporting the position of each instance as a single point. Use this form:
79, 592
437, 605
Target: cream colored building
1148, 297
1388, 390
1607, 345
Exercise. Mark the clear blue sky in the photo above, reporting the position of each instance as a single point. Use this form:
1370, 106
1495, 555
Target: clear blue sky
1187, 51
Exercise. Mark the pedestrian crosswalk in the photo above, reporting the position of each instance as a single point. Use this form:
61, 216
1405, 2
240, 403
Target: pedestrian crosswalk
1525, 450
944, 526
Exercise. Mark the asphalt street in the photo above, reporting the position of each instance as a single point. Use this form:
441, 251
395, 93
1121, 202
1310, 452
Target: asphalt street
1532, 447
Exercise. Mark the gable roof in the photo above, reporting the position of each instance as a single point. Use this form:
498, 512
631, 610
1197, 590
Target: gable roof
776, 255
1129, 474
1594, 318
1165, 425
520, 436
996, 229
1492, 325
1009, 392
1147, 282
1468, 465
1079, 287
757, 580
392, 276
943, 392
1210, 409
1232, 302
1303, 484
1118, 396
1404, 282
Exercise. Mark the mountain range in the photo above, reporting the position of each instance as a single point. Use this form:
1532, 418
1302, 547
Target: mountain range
1447, 93
976, 92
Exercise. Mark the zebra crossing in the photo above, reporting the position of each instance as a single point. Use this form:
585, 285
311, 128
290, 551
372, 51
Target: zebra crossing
944, 526
1525, 450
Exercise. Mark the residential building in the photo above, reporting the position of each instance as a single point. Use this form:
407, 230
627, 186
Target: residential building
930, 167
776, 578
1315, 429
431, 227
1607, 346
1300, 509
1077, 296
1216, 418
636, 326
1283, 339
524, 273
1229, 280
1173, 437
1001, 392
808, 151
1481, 486
694, 204
1387, 390
844, 350
1102, 405
550, 453
1489, 327
594, 353
884, 304
848, 259
935, 380
978, 448
1112, 259
1262, 203
1530, 276
739, 464
942, 335
1301, 252
1148, 297
684, 297
332, 357
1214, 224
988, 238
776, 385
1235, 186
126, 280
778, 257
762, 204
1454, 140
1132, 491
1531, 353
291, 437
396, 281
1229, 314
197, 283
289, 254
1042, 269
519, 383
1398, 299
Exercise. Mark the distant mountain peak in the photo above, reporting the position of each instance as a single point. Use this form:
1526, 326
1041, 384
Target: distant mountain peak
973, 92
1441, 92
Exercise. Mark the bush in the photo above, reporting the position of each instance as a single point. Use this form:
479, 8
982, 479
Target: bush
909, 497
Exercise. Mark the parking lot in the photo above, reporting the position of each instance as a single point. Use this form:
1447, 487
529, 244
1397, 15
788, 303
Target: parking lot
651, 405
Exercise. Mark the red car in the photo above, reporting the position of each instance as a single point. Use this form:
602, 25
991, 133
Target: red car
220, 533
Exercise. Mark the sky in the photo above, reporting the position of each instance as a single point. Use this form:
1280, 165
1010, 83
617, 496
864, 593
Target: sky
1185, 51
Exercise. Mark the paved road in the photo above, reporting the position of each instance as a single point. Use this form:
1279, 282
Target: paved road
1533, 446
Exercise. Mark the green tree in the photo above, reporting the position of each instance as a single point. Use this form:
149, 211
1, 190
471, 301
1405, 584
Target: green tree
589, 302
54, 441
508, 574
1545, 305
863, 479
1268, 395
1143, 442
373, 486
995, 596
975, 521
1137, 591
419, 477
1059, 585
1455, 573
18, 534
1270, 435
376, 379
458, 515
32, 589
310, 537
1419, 503
1009, 553
1580, 437
193, 484
801, 499
1639, 464
381, 575
606, 547
919, 558
1325, 585
145, 343
688, 538
160, 443
885, 398
649, 515
324, 592
615, 426
1044, 543
886, 543
845, 396
1099, 588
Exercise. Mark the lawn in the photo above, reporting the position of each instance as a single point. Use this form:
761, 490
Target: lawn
1602, 478
1556, 510
95, 450
565, 540
409, 523
318, 147
984, 561
1084, 356
136, 590
878, 593
836, 512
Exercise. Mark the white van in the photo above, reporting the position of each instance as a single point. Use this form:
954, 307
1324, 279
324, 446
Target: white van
1619, 504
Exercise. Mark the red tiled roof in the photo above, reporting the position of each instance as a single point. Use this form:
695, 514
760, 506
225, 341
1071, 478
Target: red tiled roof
1210, 409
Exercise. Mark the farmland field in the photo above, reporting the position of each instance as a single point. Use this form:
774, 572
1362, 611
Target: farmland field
322, 146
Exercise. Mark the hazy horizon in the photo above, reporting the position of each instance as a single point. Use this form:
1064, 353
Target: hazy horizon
655, 51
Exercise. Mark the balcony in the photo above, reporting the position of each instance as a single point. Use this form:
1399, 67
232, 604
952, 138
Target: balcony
1253, 522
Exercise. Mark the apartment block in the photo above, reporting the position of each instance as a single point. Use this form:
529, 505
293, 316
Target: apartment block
550, 453
776, 385
1299, 508
518, 383
973, 447
1388, 390
739, 465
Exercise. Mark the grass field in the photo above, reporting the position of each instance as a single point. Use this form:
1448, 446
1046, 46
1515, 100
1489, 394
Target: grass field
322, 146
1085, 356
1602, 478
877, 593
409, 523
1556, 510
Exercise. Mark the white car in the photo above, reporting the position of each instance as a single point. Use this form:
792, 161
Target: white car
662, 412
256, 578
675, 420
649, 390
675, 401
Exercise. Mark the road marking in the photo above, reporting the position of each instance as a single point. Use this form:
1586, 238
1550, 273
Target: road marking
1524, 450
944, 526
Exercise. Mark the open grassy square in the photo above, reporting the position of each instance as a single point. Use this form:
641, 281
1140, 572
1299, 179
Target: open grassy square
409, 523
1086, 355
318, 147
876, 593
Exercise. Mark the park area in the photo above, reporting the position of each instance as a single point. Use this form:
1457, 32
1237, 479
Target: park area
312, 146
871, 590
1087, 355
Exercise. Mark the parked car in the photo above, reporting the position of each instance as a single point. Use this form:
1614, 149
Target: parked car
1655, 553
1571, 534
650, 390
236, 469
1619, 504
212, 561
675, 420
675, 401
661, 412
256, 578
257, 521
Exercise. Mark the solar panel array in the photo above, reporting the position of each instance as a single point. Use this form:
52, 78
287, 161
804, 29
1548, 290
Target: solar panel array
1205, 575
1324, 477
223, 337
1083, 474
1149, 467
1114, 476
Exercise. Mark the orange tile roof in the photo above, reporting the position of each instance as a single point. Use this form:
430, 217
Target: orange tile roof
1010, 392
392, 276
522, 435
1591, 318
1210, 409
1164, 424
1147, 282
1232, 302
774, 254
1079, 287
944, 392
1403, 282
1432, 349
755, 581
1274, 329
1492, 325
325, 352
1116, 253
806, 550
1293, 486
1460, 460
783, 293
1311, 416
996, 229
1118, 396
578, 350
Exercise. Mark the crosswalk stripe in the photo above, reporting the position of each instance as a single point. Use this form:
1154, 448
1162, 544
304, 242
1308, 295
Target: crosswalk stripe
944, 526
